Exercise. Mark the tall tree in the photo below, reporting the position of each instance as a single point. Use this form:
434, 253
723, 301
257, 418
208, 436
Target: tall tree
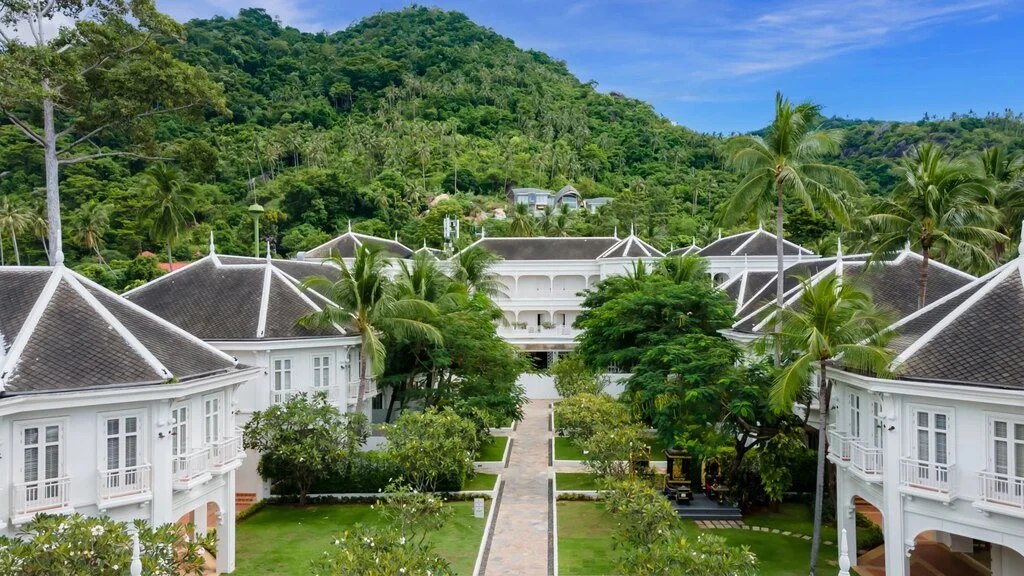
472, 267
108, 71
938, 206
787, 161
522, 222
365, 299
830, 319
14, 219
90, 222
170, 200
1005, 174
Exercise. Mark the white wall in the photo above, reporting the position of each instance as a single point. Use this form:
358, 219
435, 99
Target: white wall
542, 386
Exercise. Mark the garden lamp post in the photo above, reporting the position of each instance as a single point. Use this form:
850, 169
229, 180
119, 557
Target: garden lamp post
256, 211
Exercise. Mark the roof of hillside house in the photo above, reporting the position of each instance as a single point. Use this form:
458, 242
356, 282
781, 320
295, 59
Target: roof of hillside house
631, 247
692, 249
346, 245
754, 243
60, 331
973, 336
893, 285
567, 248
231, 298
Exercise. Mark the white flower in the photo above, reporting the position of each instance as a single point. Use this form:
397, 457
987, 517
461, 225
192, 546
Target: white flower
401, 540
114, 567
97, 531
336, 541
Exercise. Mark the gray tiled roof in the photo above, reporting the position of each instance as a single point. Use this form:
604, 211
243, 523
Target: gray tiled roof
684, 251
547, 248
346, 245
754, 243
222, 299
84, 336
632, 247
297, 269
762, 288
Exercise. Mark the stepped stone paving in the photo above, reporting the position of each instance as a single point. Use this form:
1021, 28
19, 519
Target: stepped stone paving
520, 541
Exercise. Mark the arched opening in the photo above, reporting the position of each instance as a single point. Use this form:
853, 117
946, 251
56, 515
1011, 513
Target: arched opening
720, 278
867, 540
943, 552
201, 521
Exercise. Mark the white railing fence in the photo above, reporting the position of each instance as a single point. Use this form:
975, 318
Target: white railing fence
189, 466
1002, 489
122, 482
838, 444
865, 458
225, 451
924, 475
31, 497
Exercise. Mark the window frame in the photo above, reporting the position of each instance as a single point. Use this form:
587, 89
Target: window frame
219, 416
142, 453
18, 463
177, 425
282, 395
1011, 420
950, 431
327, 366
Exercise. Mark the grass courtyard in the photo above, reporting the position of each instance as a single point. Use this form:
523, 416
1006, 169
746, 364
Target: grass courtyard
481, 481
493, 451
566, 450
282, 540
585, 544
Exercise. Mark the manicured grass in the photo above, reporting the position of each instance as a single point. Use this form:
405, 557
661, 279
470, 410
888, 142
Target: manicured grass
576, 481
792, 517
566, 450
282, 540
585, 544
481, 482
493, 451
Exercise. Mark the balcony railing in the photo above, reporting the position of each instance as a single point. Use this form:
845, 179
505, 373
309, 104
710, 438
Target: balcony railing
226, 452
191, 469
333, 392
353, 390
866, 459
44, 496
127, 482
1002, 489
927, 476
839, 445
538, 331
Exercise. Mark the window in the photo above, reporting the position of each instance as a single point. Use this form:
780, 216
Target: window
179, 431
854, 424
877, 424
1007, 448
211, 419
42, 453
378, 402
931, 437
321, 371
123, 448
282, 380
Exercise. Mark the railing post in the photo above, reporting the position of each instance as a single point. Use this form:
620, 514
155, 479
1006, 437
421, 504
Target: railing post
136, 566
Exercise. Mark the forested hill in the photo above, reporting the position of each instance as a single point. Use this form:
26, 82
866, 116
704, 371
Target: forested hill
372, 123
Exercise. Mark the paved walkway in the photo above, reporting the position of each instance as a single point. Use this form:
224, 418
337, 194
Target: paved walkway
520, 543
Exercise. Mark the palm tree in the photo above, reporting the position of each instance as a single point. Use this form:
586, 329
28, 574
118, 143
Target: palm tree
40, 226
14, 219
831, 319
90, 223
472, 267
169, 202
787, 161
1005, 173
521, 222
365, 299
681, 269
938, 205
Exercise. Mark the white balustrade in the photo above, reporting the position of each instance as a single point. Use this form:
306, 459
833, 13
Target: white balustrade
124, 482
927, 476
188, 468
1002, 489
839, 445
333, 392
225, 452
43, 496
866, 459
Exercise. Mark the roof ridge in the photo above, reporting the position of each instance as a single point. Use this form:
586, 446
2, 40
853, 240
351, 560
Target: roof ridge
10, 360
747, 241
288, 281
212, 257
797, 290
261, 322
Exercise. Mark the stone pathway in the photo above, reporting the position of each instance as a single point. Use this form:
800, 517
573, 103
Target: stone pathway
520, 542
739, 525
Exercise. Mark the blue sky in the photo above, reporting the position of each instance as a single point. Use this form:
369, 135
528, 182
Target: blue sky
715, 66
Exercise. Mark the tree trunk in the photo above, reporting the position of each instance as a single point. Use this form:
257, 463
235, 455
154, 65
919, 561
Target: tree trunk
170, 258
922, 284
781, 270
391, 405
14, 243
46, 248
819, 485
456, 177
52, 183
3, 262
362, 377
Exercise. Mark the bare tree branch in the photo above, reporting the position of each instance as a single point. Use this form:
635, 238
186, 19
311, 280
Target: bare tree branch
24, 128
84, 157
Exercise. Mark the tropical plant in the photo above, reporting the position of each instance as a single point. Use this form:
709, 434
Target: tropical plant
365, 299
14, 219
1005, 174
472, 267
521, 222
170, 201
89, 223
434, 447
939, 207
787, 161
681, 269
832, 319
573, 376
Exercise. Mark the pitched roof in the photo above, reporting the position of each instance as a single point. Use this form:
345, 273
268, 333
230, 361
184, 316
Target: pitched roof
346, 245
742, 287
684, 250
631, 247
236, 298
568, 248
60, 331
754, 243
973, 337
434, 252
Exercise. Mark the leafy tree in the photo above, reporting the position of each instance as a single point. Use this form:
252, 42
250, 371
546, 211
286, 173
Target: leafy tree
521, 222
14, 219
938, 207
787, 161
299, 441
1005, 174
413, 514
472, 267
170, 201
108, 72
572, 376
303, 237
775, 460
78, 544
433, 446
830, 319
582, 415
89, 223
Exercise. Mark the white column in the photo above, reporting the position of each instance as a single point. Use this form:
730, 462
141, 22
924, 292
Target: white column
199, 519
846, 515
226, 527
161, 457
897, 563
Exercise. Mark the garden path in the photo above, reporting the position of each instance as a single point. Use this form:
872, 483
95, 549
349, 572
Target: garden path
520, 542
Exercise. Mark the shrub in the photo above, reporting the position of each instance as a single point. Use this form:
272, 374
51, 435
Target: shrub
579, 416
869, 535
378, 552
432, 447
572, 377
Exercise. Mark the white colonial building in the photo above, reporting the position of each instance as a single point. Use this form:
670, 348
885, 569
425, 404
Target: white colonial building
250, 308
106, 409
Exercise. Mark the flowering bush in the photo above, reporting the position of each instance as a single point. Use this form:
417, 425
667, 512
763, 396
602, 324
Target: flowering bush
380, 552
56, 545
432, 445
412, 513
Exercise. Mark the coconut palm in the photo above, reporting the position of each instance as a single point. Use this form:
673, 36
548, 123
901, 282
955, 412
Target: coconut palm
14, 219
681, 269
1005, 173
169, 203
89, 223
40, 226
787, 161
939, 207
472, 267
365, 299
521, 222
831, 319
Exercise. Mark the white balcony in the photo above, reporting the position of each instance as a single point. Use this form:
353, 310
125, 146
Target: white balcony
333, 393
866, 461
1001, 493
51, 496
191, 470
353, 390
839, 446
928, 480
226, 455
538, 332
125, 485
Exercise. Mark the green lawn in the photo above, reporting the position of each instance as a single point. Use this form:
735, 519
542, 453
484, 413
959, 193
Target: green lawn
481, 482
282, 540
566, 450
792, 517
493, 451
585, 545
576, 481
